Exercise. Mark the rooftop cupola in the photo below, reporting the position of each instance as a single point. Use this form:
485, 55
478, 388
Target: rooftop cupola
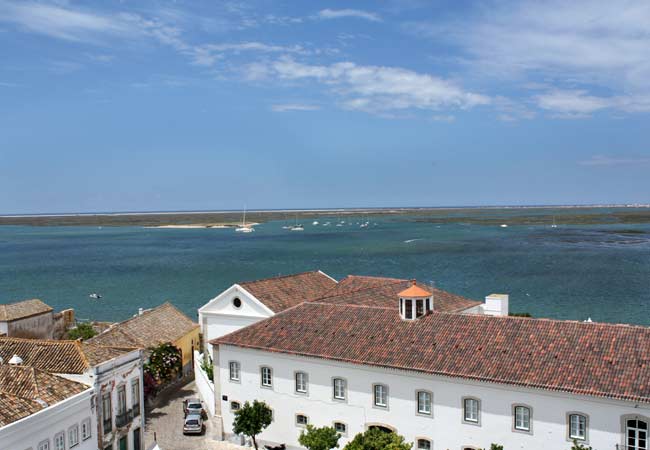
16, 360
414, 302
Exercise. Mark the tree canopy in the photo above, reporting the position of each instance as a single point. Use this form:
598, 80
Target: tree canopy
252, 419
83, 331
324, 438
376, 439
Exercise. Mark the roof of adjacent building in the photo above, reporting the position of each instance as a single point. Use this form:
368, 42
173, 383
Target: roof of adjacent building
25, 390
74, 357
23, 309
380, 292
280, 293
414, 291
595, 359
159, 325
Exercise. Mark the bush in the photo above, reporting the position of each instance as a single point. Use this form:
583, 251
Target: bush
164, 363
83, 331
577, 446
496, 447
208, 367
324, 438
252, 419
376, 439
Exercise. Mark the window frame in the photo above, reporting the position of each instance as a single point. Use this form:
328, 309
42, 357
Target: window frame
374, 395
417, 403
516, 406
344, 398
60, 434
476, 422
236, 299
270, 384
86, 424
230, 405
107, 396
570, 437
295, 382
70, 430
230, 371
417, 443
45, 442
345, 425
301, 425
624, 425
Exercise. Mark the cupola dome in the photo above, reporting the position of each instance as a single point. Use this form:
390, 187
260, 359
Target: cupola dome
414, 302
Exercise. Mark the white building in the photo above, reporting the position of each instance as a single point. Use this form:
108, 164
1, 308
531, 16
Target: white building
27, 318
115, 375
41, 411
443, 380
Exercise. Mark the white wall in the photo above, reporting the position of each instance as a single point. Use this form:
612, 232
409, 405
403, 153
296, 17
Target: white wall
40, 326
45, 424
445, 428
203, 383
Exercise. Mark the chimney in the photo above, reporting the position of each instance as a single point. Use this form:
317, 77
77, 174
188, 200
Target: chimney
496, 305
140, 311
15, 360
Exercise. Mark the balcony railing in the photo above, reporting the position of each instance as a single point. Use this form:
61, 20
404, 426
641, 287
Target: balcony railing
121, 419
107, 425
136, 410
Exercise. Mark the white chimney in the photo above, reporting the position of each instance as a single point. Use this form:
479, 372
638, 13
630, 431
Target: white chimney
140, 311
496, 305
15, 360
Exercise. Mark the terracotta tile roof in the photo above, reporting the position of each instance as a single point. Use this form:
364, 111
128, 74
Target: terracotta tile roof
280, 293
379, 292
20, 310
414, 291
595, 359
159, 325
25, 390
57, 356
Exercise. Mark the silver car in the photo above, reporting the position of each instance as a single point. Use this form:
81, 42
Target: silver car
193, 424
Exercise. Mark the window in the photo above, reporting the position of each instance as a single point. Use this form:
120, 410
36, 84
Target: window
236, 302
107, 413
419, 308
424, 444
59, 441
339, 388
135, 397
408, 313
424, 402
44, 445
235, 406
470, 410
636, 432
267, 377
522, 418
301, 420
235, 371
123, 444
73, 435
577, 427
136, 439
381, 395
301, 382
340, 427
121, 400
85, 429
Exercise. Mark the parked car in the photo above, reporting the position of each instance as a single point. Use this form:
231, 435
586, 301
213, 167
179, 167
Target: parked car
193, 424
193, 406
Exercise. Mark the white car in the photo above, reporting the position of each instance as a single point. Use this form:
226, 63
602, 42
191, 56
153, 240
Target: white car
193, 424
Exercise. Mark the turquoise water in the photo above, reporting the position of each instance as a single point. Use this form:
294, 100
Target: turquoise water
571, 272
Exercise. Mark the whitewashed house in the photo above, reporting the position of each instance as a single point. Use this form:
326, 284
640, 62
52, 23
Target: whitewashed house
444, 380
114, 374
41, 411
27, 318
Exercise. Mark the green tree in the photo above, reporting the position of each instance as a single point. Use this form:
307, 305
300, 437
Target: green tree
577, 446
376, 439
496, 447
324, 438
252, 419
208, 367
164, 363
83, 331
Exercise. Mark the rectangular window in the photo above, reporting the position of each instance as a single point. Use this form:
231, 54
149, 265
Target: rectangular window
135, 397
235, 406
123, 444
424, 444
85, 429
339, 388
121, 400
408, 312
301, 420
107, 413
470, 410
73, 435
419, 308
267, 377
340, 427
234, 371
522, 418
424, 402
59, 441
301, 382
136, 439
44, 445
381, 395
577, 426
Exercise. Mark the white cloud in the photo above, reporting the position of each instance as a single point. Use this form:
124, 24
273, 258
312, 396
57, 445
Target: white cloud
208, 54
602, 160
343, 13
286, 107
577, 102
379, 89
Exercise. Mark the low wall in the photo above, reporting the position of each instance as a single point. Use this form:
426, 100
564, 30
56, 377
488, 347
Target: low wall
203, 384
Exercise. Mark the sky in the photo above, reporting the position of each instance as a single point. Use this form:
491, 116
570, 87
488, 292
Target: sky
207, 105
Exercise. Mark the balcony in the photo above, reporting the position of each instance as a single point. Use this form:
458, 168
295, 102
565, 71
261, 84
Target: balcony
121, 419
136, 410
107, 425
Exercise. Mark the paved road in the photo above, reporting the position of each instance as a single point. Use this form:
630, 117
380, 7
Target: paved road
166, 421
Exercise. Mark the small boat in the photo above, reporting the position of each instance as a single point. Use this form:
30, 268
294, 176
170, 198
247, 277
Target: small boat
95, 296
364, 225
244, 228
315, 222
554, 224
326, 224
297, 228
504, 225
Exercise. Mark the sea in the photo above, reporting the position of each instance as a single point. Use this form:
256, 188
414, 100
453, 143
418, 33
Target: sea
572, 272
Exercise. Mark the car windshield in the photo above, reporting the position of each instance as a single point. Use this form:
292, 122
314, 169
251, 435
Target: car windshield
192, 422
194, 405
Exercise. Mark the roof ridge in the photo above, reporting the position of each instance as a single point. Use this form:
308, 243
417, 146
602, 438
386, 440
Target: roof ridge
277, 277
82, 353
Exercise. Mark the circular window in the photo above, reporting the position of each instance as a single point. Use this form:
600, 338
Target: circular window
236, 302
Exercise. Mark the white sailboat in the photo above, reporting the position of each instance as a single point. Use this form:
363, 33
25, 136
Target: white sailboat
554, 224
244, 228
297, 226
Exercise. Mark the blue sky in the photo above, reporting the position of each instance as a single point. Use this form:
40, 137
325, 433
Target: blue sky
181, 105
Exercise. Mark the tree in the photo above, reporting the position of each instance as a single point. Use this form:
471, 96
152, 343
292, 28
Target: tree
577, 446
496, 447
324, 438
164, 363
83, 331
252, 419
208, 367
376, 439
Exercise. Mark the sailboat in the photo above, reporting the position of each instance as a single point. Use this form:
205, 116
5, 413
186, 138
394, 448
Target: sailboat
297, 227
244, 228
554, 224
